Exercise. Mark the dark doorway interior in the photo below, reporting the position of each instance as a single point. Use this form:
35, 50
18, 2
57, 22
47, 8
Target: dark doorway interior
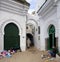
30, 36
50, 37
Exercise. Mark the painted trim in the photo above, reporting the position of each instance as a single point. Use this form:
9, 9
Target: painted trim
13, 7
9, 21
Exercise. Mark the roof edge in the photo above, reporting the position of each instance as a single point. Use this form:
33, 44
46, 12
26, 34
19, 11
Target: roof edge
42, 5
23, 2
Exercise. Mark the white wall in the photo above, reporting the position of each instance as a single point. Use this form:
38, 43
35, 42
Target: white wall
42, 32
58, 17
51, 20
45, 21
39, 3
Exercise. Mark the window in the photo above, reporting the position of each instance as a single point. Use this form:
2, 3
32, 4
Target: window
38, 29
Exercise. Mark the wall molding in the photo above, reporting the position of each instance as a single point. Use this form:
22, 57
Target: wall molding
13, 7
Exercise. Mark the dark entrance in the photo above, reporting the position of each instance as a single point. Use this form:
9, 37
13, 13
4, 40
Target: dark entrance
30, 36
52, 41
11, 36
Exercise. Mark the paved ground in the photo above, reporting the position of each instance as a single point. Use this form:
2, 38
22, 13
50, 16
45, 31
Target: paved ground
31, 55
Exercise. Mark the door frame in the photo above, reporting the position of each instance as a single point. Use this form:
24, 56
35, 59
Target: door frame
7, 35
51, 39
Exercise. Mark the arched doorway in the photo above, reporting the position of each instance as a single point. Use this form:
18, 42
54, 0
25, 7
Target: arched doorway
52, 41
11, 36
30, 35
32, 28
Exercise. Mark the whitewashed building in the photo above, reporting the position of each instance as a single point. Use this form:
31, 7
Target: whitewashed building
49, 21
13, 15
45, 27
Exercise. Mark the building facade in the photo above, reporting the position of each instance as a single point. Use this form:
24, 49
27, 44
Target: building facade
49, 21
45, 27
13, 24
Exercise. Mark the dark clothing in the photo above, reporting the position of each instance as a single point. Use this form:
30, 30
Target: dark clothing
53, 52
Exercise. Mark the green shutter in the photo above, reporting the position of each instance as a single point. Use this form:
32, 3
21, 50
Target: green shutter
11, 37
51, 41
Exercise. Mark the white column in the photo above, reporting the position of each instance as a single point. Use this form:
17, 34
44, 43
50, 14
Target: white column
1, 42
23, 43
59, 41
42, 38
58, 20
59, 36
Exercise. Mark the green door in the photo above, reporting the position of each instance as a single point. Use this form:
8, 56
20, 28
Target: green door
11, 37
52, 41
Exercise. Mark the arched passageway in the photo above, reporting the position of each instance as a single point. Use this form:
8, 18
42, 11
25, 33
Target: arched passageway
30, 35
11, 36
31, 28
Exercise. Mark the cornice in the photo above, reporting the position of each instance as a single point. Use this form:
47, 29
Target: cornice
42, 6
13, 7
47, 7
23, 2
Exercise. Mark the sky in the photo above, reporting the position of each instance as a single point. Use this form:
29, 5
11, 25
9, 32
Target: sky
33, 4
